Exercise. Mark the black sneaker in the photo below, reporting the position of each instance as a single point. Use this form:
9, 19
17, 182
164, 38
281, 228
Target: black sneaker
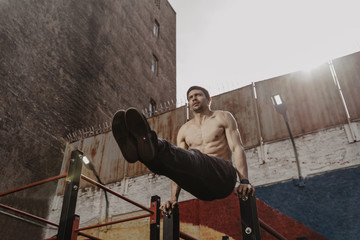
124, 139
146, 140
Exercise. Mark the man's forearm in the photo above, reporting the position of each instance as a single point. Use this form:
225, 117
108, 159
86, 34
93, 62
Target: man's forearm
241, 164
175, 191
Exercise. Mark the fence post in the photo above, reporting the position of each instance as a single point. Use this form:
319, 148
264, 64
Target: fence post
70, 196
249, 218
171, 229
155, 218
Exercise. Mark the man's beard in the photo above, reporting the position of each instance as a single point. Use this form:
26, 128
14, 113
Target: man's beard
199, 108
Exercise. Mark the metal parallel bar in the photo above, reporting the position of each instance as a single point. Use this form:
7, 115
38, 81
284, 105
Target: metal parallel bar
171, 229
70, 196
270, 230
249, 218
28, 215
33, 184
171, 225
114, 222
116, 194
155, 218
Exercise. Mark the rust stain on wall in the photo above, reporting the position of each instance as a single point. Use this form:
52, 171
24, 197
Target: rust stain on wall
106, 156
168, 124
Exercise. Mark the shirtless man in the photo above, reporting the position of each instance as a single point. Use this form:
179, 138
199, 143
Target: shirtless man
201, 164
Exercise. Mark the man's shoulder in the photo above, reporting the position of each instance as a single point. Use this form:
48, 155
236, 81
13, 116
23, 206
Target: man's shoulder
224, 117
187, 124
222, 113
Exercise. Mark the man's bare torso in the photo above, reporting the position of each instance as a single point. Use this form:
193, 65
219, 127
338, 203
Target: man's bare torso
208, 136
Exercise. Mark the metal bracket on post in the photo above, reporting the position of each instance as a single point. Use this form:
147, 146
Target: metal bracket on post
171, 228
249, 218
155, 218
76, 224
67, 217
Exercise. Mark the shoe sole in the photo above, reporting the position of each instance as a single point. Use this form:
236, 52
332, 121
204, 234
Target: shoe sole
121, 135
139, 127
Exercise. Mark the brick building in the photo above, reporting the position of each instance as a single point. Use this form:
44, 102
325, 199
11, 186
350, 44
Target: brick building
66, 67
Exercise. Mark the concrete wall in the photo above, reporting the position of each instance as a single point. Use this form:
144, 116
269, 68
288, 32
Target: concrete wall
69, 65
319, 152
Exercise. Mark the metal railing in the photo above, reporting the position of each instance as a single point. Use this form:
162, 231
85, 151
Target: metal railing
68, 228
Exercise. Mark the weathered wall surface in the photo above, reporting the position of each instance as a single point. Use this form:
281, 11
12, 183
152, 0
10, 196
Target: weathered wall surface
319, 152
313, 102
242, 104
314, 105
69, 65
106, 156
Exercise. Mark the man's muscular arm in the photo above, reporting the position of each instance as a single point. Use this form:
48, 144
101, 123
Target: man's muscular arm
236, 147
167, 206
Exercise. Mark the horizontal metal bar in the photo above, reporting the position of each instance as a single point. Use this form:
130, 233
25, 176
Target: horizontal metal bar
88, 236
271, 230
186, 237
28, 215
26, 220
116, 194
33, 184
114, 222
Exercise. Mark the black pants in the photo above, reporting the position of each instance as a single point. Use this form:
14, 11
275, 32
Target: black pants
206, 177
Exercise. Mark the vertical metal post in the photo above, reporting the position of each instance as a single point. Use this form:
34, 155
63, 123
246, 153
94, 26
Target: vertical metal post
301, 182
171, 229
281, 108
155, 218
70, 196
249, 219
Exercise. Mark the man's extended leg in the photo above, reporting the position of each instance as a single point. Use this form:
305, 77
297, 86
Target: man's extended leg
205, 177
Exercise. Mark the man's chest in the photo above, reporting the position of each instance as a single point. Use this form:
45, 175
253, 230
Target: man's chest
210, 131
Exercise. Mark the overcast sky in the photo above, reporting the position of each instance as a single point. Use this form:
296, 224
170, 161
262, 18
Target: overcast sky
227, 44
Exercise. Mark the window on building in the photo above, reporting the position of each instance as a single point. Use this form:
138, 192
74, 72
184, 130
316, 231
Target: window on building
157, 3
152, 106
156, 28
155, 65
